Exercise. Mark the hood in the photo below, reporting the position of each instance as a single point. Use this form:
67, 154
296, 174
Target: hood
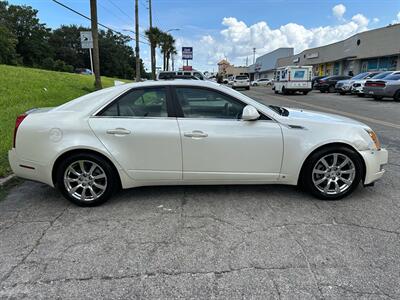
300, 115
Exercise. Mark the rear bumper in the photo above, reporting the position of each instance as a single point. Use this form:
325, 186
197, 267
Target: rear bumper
28, 169
236, 84
374, 163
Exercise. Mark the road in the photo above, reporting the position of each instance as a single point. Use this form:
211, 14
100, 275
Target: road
212, 242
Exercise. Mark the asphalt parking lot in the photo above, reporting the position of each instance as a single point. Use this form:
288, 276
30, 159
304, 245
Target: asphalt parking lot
224, 242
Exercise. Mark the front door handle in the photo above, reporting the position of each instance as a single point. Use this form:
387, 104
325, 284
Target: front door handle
118, 131
196, 134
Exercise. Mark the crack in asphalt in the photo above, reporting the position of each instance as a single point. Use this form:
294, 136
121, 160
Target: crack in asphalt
308, 263
160, 273
35, 245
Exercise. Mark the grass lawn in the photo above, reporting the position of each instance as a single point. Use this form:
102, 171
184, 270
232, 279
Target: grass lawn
25, 88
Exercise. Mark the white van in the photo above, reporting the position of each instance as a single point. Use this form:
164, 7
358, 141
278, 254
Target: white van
292, 79
180, 74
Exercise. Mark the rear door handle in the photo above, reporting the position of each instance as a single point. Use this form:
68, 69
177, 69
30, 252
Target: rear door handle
196, 134
118, 131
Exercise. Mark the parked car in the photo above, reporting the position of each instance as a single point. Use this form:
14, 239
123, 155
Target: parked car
344, 86
292, 79
181, 75
241, 81
83, 71
262, 82
327, 84
177, 132
358, 85
389, 87
315, 79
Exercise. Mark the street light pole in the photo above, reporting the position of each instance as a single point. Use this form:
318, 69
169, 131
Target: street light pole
254, 55
137, 40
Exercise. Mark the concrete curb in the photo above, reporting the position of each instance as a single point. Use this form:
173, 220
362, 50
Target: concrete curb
4, 180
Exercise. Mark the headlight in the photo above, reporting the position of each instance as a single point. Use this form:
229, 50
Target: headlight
374, 138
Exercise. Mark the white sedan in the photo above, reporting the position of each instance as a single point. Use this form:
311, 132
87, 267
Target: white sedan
262, 82
183, 132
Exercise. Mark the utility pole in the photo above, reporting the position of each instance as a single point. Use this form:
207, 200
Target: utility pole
152, 50
95, 34
254, 55
137, 40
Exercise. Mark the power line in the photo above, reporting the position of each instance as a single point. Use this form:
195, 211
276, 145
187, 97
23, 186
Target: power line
87, 18
117, 7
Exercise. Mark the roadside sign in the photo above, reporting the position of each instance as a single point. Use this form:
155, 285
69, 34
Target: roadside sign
187, 53
86, 40
187, 68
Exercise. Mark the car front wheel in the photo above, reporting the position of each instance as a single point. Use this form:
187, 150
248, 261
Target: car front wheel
86, 179
331, 174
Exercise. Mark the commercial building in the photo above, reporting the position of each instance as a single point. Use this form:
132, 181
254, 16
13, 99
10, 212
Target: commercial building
264, 65
377, 49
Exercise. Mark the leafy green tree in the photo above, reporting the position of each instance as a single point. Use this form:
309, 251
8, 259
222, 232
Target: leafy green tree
32, 36
66, 46
8, 42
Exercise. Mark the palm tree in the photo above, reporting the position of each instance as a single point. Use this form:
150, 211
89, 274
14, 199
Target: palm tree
167, 43
154, 35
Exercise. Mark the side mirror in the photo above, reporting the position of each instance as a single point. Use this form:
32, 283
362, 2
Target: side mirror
250, 113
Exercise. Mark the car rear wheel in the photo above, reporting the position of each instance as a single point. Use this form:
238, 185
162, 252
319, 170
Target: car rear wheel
342, 93
397, 96
360, 95
305, 93
86, 179
377, 97
332, 173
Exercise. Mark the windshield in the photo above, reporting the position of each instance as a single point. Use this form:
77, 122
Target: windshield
381, 75
241, 77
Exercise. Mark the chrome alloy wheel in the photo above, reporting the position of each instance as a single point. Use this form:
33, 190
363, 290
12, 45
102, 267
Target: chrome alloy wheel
85, 180
334, 173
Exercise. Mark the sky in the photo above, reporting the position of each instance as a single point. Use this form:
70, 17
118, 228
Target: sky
218, 29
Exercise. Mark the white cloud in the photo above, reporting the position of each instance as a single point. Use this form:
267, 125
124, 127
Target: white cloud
338, 11
397, 19
375, 20
237, 39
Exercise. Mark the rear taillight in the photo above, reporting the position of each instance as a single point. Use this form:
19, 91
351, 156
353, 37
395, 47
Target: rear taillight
375, 83
18, 122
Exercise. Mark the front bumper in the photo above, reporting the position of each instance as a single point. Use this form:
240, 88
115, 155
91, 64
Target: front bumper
375, 160
29, 169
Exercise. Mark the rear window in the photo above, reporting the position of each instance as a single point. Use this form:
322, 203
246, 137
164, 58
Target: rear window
393, 77
381, 75
241, 77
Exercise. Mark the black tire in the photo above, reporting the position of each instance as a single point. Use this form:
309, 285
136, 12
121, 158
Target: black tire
377, 97
361, 95
397, 96
284, 91
275, 91
306, 176
331, 89
322, 91
111, 178
305, 93
342, 93
247, 88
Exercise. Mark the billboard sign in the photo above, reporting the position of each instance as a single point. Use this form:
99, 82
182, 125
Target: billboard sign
187, 53
86, 40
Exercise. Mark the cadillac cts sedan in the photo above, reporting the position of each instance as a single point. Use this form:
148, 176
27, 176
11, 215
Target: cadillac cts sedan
182, 132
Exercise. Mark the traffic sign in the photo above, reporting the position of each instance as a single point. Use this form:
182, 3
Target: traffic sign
86, 40
187, 53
